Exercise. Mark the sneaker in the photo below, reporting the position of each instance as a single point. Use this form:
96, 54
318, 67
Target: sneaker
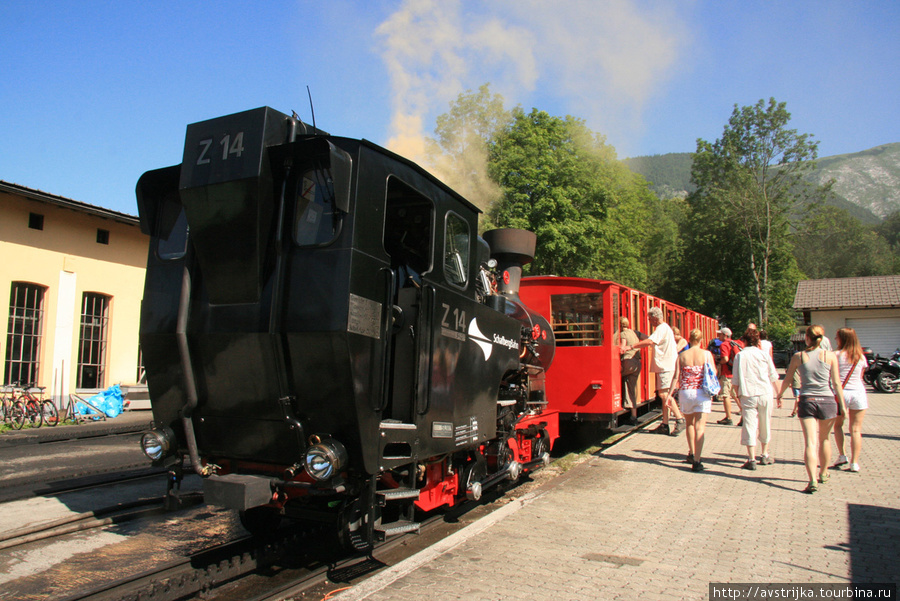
854, 467
690, 458
697, 467
750, 465
766, 460
811, 488
725, 421
841, 460
823, 478
679, 427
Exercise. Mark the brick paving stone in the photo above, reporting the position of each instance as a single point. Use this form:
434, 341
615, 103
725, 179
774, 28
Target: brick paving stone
635, 522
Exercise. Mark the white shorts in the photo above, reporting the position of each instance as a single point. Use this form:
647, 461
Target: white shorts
694, 400
856, 400
664, 380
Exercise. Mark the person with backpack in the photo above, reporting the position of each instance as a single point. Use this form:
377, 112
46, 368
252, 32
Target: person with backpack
727, 351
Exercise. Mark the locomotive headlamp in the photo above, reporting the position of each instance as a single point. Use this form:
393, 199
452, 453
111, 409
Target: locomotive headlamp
157, 443
325, 458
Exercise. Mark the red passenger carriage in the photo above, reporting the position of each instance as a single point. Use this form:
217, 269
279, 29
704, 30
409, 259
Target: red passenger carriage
585, 383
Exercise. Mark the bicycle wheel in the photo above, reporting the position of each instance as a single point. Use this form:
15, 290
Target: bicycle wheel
33, 414
18, 415
49, 413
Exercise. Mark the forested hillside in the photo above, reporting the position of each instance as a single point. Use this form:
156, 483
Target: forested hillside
669, 175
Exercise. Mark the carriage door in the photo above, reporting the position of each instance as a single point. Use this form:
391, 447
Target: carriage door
409, 218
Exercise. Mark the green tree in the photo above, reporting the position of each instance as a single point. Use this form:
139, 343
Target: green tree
564, 183
889, 230
831, 243
748, 183
459, 153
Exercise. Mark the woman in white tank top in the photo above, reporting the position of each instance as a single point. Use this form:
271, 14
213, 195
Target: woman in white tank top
852, 365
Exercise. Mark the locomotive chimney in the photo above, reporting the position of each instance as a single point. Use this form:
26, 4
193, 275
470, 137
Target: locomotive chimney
513, 249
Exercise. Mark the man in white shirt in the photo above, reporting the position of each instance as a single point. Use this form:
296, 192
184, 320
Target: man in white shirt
664, 358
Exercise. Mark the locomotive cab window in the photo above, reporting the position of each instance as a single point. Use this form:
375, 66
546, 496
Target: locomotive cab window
316, 220
577, 319
456, 250
408, 226
172, 244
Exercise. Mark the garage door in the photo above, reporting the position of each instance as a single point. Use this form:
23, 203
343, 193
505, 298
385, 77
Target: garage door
882, 334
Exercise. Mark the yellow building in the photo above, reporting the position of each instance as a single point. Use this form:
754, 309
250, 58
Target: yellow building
74, 274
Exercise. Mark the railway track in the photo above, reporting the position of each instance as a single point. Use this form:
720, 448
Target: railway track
297, 564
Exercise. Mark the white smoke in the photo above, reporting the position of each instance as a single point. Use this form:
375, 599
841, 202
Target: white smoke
602, 60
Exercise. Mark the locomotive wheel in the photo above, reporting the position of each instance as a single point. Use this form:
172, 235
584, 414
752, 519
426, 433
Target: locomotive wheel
474, 474
884, 382
260, 521
539, 446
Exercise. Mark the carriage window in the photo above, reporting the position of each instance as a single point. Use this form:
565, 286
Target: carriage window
315, 217
408, 226
615, 312
577, 319
456, 251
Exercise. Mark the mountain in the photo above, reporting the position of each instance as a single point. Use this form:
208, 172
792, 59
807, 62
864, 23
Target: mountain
866, 183
869, 179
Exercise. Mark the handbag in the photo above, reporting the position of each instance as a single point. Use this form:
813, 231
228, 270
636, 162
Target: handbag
711, 384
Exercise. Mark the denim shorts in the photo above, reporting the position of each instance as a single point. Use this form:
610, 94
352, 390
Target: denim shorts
819, 407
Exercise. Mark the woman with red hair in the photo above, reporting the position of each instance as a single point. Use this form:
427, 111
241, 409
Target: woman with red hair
852, 365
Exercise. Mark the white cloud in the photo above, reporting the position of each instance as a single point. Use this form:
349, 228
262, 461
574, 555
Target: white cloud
604, 60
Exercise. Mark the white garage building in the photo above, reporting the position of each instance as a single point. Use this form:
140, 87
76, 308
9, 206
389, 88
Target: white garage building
870, 305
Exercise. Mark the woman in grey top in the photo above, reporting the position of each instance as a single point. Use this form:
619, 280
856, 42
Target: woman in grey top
820, 386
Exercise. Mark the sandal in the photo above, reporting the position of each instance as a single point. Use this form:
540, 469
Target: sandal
810, 488
823, 477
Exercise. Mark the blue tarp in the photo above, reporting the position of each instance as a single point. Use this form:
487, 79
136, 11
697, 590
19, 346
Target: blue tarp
110, 402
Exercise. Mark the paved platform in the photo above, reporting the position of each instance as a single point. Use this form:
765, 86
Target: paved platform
636, 523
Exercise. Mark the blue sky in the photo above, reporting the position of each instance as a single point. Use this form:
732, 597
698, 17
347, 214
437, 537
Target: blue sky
95, 93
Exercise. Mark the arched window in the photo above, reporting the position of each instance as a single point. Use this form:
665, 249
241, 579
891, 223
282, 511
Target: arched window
23, 338
92, 341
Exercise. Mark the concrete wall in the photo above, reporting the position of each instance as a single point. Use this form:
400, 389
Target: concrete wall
835, 319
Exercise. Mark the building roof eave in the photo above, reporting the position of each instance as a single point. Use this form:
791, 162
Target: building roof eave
68, 203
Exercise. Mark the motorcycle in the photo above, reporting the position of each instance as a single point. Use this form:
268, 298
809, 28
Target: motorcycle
888, 377
874, 363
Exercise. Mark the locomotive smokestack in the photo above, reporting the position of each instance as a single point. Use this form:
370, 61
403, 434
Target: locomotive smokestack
513, 249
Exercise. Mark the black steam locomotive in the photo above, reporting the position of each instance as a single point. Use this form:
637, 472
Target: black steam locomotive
326, 336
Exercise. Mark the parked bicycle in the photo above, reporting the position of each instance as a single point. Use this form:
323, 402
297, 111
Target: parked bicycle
29, 406
7, 402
